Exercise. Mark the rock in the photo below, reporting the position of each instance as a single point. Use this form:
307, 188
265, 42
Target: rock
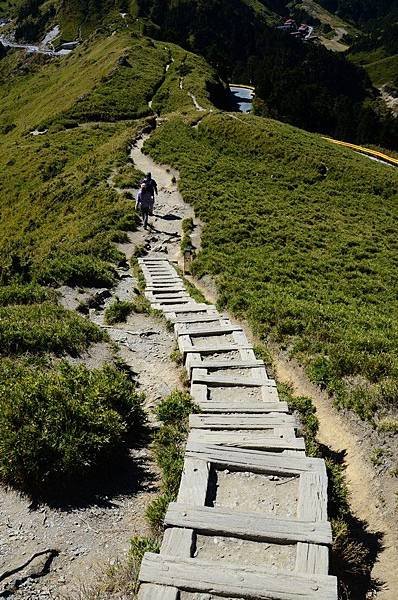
103, 294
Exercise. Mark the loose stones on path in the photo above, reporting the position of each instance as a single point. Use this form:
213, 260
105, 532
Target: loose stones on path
250, 520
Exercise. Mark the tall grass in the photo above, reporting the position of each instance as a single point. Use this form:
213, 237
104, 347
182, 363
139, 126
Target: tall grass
309, 260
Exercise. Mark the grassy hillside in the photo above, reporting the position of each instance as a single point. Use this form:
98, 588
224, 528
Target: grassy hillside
381, 68
310, 261
50, 180
59, 221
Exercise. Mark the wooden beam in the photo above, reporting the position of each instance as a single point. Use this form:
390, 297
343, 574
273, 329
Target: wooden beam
194, 482
230, 380
254, 461
237, 406
193, 575
267, 439
241, 421
252, 526
312, 505
149, 591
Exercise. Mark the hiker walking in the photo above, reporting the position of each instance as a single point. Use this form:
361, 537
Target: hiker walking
152, 186
145, 203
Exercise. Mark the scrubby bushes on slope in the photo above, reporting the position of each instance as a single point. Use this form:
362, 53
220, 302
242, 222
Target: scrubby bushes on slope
309, 260
59, 425
44, 328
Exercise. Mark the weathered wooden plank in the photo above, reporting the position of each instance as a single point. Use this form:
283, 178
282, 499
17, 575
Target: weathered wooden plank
209, 331
312, 505
178, 542
254, 460
241, 421
265, 439
163, 282
164, 302
229, 364
202, 316
199, 393
230, 380
312, 558
253, 526
193, 575
194, 307
149, 591
211, 348
313, 497
234, 406
194, 482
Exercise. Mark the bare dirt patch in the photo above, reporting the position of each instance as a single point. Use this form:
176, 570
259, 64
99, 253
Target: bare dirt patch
245, 552
234, 393
271, 495
213, 341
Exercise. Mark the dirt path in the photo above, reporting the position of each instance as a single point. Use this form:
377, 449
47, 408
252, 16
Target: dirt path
89, 537
367, 491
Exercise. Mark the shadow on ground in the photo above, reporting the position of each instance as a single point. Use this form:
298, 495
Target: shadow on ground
355, 548
128, 473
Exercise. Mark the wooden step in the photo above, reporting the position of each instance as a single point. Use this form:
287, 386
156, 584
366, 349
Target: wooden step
234, 406
255, 461
241, 421
194, 307
252, 526
266, 440
198, 376
193, 575
206, 331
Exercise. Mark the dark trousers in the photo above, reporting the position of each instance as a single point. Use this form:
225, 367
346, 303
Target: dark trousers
145, 214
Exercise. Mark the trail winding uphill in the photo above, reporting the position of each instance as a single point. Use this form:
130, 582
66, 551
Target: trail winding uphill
164, 238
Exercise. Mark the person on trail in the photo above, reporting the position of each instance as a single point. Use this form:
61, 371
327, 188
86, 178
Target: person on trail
152, 186
145, 203
323, 170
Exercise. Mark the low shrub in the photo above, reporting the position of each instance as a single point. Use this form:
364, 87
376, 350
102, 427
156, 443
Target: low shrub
388, 425
141, 304
118, 311
25, 294
175, 408
137, 271
44, 327
156, 511
59, 425
168, 448
138, 546
78, 269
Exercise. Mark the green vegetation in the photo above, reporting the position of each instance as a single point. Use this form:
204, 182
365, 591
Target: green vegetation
60, 218
44, 328
300, 83
58, 425
168, 448
384, 70
312, 260
118, 311
187, 228
25, 294
175, 408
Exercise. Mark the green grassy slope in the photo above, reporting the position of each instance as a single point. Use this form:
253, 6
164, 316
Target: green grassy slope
50, 180
59, 221
311, 262
384, 70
